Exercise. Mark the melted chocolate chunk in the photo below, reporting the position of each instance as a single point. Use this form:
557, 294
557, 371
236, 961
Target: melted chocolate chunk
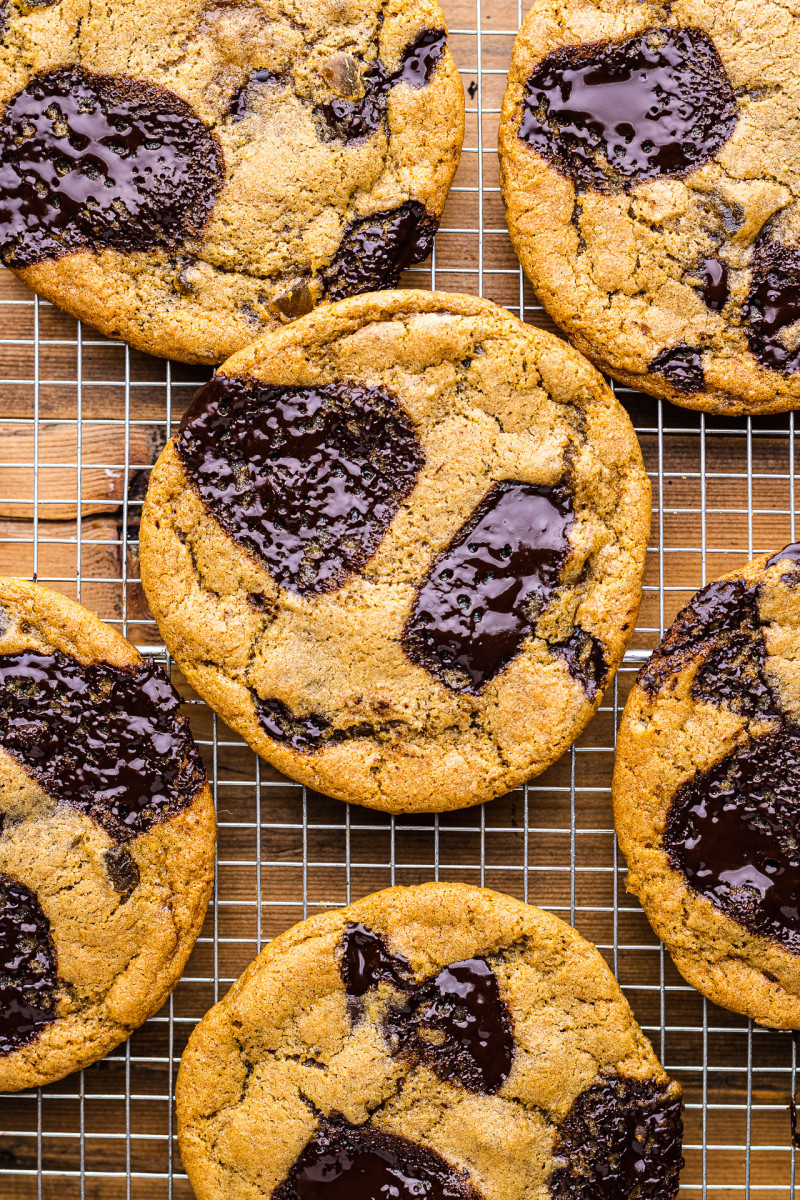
419, 61
242, 100
107, 741
456, 1022
355, 120
790, 552
93, 162
734, 834
355, 1162
375, 250
303, 734
615, 114
721, 626
621, 1140
585, 657
715, 290
27, 967
122, 871
482, 595
366, 962
682, 366
306, 479
772, 307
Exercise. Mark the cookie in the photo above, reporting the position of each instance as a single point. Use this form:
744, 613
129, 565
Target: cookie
398, 547
706, 787
439, 1041
188, 176
650, 172
107, 837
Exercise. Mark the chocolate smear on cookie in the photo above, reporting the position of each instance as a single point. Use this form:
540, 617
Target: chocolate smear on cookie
306, 479
304, 733
682, 366
456, 1022
353, 117
356, 1162
97, 162
721, 627
611, 115
733, 832
790, 553
482, 595
771, 311
366, 962
375, 250
585, 657
108, 741
459, 1025
715, 290
621, 1140
241, 101
27, 967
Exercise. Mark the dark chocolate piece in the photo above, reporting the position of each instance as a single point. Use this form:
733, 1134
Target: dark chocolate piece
456, 1022
733, 832
122, 871
366, 962
459, 1025
107, 741
356, 1162
356, 119
419, 61
297, 300
375, 250
773, 306
721, 626
621, 1140
27, 967
793, 1118
483, 594
93, 162
585, 657
306, 479
682, 366
241, 101
282, 725
715, 290
615, 114
303, 733
790, 552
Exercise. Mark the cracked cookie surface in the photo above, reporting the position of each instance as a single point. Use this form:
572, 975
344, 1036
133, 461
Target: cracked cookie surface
398, 547
107, 836
651, 179
190, 176
706, 786
348, 1057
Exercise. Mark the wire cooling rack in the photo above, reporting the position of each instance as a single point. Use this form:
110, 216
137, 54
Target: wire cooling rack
82, 420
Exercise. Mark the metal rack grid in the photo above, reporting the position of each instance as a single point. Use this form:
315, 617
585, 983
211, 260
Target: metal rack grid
81, 421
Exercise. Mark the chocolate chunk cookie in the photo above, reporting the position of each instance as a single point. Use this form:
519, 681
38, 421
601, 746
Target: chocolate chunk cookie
398, 547
651, 176
440, 1041
106, 837
706, 789
190, 177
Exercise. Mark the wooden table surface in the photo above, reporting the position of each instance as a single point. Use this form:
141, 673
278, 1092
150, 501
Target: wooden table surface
93, 416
